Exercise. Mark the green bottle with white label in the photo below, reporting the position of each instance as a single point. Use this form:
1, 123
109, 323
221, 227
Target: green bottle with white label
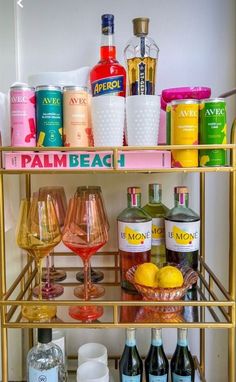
157, 210
182, 364
182, 231
130, 365
156, 363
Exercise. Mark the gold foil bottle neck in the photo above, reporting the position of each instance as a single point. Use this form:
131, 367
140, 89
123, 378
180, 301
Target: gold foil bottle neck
181, 190
140, 26
134, 190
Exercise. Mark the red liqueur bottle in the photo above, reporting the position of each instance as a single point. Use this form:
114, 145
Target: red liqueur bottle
108, 76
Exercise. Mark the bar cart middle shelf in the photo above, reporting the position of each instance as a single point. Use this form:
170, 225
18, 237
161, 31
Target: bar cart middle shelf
121, 309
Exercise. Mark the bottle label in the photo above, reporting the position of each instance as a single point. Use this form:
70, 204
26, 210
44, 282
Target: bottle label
180, 378
135, 237
158, 378
128, 378
141, 71
182, 237
158, 232
50, 375
109, 85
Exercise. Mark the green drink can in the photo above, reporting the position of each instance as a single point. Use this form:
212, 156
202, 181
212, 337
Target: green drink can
49, 116
168, 124
213, 130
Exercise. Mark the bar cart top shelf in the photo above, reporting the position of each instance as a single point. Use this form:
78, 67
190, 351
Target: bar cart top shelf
69, 160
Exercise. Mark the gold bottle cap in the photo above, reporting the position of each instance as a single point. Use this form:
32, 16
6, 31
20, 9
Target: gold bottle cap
140, 26
181, 190
134, 190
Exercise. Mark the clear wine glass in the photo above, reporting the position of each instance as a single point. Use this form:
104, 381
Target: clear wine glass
49, 289
85, 232
38, 232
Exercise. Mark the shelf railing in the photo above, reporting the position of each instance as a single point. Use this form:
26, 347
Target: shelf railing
211, 296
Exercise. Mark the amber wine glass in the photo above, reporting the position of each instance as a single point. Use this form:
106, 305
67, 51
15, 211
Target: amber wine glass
85, 232
49, 289
38, 232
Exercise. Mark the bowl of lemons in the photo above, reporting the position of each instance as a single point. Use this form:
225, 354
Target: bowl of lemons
168, 283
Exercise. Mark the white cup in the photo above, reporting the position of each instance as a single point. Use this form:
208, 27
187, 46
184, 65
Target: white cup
92, 352
143, 117
93, 371
108, 116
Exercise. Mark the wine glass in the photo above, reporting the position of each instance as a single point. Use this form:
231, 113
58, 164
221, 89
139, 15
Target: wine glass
49, 289
59, 197
94, 291
38, 232
85, 232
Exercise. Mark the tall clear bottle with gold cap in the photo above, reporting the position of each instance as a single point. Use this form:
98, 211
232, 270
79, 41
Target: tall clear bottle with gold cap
141, 54
182, 231
134, 235
157, 210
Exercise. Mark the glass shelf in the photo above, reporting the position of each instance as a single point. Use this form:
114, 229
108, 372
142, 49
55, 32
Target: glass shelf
208, 305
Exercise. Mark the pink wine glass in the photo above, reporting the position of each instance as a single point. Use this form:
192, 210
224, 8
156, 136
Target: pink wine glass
94, 291
85, 232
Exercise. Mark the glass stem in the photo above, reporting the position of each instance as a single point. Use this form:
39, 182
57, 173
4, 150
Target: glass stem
48, 281
86, 279
39, 265
52, 261
89, 276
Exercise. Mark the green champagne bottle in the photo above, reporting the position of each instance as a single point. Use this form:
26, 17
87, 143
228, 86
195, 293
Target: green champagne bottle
182, 365
130, 365
156, 363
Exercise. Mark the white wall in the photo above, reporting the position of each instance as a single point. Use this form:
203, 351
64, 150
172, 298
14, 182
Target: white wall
8, 69
197, 47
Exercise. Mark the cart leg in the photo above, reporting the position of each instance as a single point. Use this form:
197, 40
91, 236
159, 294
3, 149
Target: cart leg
4, 344
231, 356
232, 259
202, 270
4, 353
202, 351
28, 196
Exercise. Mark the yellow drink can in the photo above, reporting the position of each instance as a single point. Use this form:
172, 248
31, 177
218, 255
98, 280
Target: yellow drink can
184, 131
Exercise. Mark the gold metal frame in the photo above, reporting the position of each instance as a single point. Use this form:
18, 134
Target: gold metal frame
215, 298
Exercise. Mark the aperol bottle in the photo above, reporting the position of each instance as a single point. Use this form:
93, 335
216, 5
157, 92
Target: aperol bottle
108, 76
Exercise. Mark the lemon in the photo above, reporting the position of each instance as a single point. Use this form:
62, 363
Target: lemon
146, 274
204, 159
169, 277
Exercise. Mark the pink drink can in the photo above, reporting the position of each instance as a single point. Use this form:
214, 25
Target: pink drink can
22, 113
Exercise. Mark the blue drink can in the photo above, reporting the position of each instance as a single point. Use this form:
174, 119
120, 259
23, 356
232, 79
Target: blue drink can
49, 116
